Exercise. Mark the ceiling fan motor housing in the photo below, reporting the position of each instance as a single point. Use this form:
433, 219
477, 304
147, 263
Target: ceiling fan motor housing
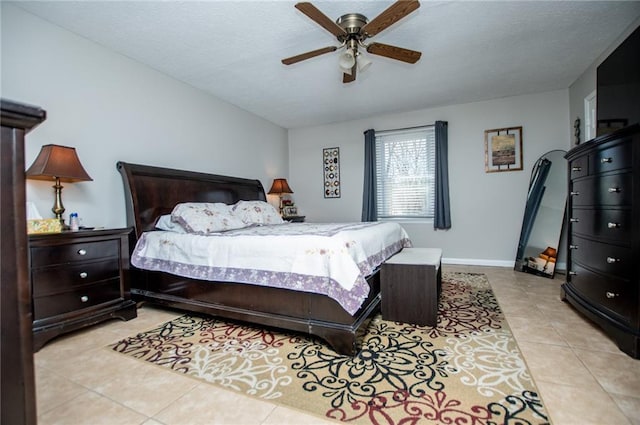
352, 23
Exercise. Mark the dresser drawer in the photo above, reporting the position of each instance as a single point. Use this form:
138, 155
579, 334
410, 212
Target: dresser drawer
610, 159
616, 295
609, 259
77, 299
604, 224
579, 167
81, 251
610, 190
51, 280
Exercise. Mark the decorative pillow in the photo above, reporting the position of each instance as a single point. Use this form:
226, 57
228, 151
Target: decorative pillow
205, 218
165, 223
257, 212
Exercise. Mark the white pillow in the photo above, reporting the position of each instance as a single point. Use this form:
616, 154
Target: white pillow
205, 218
257, 212
165, 223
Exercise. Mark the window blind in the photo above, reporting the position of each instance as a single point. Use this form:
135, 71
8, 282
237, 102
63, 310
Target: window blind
405, 170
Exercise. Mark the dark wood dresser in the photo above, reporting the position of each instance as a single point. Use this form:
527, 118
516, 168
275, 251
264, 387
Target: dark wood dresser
17, 387
603, 215
78, 279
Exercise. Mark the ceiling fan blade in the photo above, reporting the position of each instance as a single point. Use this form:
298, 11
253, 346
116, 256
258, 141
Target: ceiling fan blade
308, 55
320, 18
349, 78
393, 52
393, 14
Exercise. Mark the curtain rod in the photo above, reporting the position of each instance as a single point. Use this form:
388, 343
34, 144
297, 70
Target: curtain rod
407, 128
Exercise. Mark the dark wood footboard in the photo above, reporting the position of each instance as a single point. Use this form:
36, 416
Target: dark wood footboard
304, 312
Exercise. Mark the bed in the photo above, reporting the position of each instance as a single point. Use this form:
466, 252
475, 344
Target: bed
152, 192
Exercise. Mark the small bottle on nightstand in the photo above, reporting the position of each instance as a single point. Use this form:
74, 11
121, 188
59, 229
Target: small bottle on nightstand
74, 223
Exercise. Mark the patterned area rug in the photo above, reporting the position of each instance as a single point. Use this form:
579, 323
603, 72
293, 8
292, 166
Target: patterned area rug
466, 370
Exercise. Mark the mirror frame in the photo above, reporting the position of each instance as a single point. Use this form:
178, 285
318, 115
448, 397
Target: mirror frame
536, 192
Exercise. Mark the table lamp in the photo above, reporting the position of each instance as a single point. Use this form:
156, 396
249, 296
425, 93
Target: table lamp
280, 187
59, 163
549, 255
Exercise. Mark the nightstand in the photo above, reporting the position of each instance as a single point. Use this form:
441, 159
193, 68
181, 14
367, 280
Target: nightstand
294, 218
78, 279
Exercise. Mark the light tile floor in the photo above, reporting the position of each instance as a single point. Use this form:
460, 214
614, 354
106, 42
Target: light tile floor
582, 376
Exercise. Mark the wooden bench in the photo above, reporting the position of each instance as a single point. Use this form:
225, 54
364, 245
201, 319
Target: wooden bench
410, 285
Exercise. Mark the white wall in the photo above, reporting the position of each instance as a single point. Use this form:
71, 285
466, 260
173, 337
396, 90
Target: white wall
487, 208
111, 108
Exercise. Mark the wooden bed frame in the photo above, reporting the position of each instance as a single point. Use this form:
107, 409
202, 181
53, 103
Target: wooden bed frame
154, 191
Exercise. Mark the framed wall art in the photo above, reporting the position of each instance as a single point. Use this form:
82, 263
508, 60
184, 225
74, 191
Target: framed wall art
331, 167
503, 149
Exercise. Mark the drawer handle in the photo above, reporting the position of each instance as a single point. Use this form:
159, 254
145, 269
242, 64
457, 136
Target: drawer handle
574, 220
572, 273
83, 275
614, 190
613, 225
84, 298
575, 193
82, 252
576, 168
612, 260
573, 246
606, 160
611, 294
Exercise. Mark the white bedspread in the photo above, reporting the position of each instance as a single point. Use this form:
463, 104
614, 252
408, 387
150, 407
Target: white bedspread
332, 259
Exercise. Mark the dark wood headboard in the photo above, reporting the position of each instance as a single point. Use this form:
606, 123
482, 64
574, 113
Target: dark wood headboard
153, 191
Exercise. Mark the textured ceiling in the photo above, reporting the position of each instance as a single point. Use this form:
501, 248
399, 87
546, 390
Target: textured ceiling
470, 50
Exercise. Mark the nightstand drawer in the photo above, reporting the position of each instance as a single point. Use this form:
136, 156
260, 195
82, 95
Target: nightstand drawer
53, 280
77, 299
81, 251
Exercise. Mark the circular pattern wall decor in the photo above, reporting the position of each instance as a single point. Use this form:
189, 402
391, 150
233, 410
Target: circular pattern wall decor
331, 166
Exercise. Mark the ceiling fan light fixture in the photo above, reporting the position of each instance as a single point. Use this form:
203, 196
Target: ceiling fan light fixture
351, 31
346, 60
363, 63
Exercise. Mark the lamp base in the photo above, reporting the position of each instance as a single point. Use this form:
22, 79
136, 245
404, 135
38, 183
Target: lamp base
58, 207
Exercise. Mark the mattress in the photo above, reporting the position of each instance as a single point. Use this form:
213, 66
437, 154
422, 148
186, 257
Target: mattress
332, 259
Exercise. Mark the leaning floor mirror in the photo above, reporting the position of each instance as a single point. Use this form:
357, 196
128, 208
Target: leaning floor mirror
543, 216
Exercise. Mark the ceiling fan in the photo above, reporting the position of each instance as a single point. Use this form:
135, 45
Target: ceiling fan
352, 30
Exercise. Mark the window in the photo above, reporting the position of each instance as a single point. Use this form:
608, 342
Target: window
405, 173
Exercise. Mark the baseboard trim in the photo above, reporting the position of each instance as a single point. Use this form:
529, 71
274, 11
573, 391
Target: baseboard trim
478, 262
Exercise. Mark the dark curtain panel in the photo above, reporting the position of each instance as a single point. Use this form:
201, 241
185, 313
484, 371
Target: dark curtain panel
442, 210
369, 207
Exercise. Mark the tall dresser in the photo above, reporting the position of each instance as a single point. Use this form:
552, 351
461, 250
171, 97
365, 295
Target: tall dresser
17, 388
603, 215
